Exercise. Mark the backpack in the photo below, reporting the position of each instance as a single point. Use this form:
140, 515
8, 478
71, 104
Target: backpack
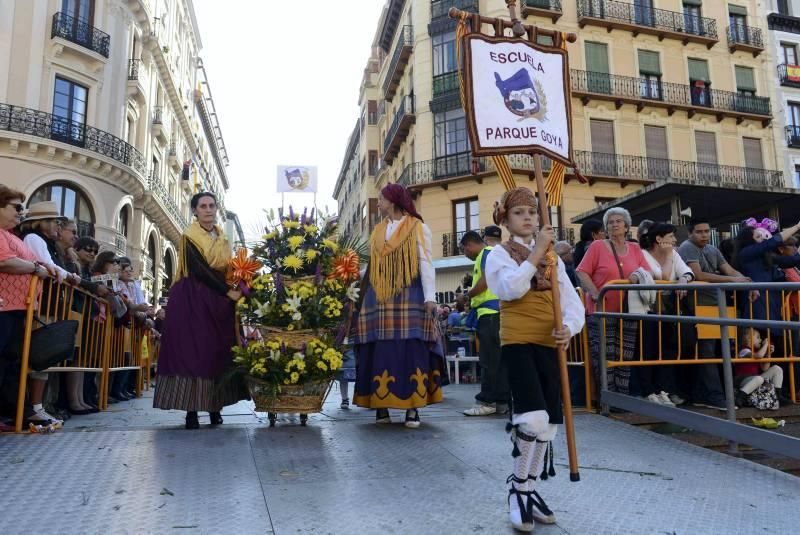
764, 397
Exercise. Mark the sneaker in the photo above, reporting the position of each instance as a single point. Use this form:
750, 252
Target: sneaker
481, 410
345, 404
382, 416
42, 417
676, 399
665, 399
541, 513
412, 419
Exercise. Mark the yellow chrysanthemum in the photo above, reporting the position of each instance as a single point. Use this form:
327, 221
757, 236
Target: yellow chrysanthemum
288, 223
310, 229
290, 327
311, 255
270, 235
322, 366
330, 244
295, 242
294, 377
292, 262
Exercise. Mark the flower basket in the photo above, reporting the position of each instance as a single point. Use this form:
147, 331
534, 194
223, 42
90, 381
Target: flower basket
296, 338
304, 398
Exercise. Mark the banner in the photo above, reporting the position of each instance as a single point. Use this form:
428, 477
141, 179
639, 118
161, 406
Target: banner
793, 73
517, 98
297, 179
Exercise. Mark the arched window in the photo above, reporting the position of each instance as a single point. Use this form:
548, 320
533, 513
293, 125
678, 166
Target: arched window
169, 273
72, 203
151, 254
122, 224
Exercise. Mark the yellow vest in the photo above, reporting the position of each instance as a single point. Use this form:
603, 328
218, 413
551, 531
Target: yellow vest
485, 296
528, 320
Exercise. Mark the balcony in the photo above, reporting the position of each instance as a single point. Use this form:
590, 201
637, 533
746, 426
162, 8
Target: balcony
642, 92
167, 209
789, 75
158, 128
446, 169
402, 51
403, 119
85, 228
133, 68
599, 166
793, 136
445, 84
81, 33
542, 8
659, 22
172, 156
120, 244
440, 21
44, 125
745, 38
783, 23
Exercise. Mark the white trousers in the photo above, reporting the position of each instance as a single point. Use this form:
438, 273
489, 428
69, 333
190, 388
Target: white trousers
773, 375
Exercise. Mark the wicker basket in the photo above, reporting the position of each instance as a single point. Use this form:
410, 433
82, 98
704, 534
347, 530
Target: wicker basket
304, 399
294, 339
288, 279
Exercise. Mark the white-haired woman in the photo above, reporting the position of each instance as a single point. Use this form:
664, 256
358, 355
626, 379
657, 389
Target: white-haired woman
608, 260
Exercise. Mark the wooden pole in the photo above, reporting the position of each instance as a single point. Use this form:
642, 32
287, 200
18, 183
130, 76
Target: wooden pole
574, 474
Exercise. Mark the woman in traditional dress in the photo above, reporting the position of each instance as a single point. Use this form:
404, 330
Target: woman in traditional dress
197, 341
517, 273
396, 340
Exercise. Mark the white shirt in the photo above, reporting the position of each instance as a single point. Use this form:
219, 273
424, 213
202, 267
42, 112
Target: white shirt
36, 244
509, 281
679, 268
425, 252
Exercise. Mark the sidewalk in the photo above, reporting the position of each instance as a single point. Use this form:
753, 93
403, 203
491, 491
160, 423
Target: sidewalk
135, 470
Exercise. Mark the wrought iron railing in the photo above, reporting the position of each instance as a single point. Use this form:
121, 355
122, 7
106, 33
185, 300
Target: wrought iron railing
461, 164
550, 5
783, 23
372, 117
133, 68
445, 83
405, 38
85, 228
80, 32
46, 125
640, 167
742, 34
667, 92
149, 272
660, 19
406, 108
786, 78
793, 136
158, 112
121, 244
161, 194
173, 148
439, 8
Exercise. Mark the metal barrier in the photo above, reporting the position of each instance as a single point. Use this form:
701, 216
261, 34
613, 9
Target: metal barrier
729, 429
578, 355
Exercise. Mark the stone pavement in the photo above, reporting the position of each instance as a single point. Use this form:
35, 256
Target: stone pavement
135, 470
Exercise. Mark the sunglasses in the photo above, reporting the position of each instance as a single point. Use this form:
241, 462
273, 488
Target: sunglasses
91, 251
19, 207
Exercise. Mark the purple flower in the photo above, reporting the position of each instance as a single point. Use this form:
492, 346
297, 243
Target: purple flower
278, 282
318, 274
291, 212
311, 217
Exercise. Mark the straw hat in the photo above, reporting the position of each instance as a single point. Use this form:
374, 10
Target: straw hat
43, 210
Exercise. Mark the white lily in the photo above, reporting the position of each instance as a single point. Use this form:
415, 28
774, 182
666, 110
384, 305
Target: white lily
353, 291
297, 316
294, 303
261, 310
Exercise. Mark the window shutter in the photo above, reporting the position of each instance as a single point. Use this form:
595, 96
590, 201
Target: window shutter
745, 81
698, 70
693, 2
596, 57
545, 40
602, 136
737, 10
706, 147
649, 62
753, 158
655, 139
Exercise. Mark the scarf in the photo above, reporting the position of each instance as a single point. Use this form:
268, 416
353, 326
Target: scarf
394, 264
216, 251
519, 254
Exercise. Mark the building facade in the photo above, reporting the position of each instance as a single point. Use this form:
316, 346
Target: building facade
665, 93
105, 108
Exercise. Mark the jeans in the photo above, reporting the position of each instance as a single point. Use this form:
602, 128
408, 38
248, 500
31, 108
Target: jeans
494, 379
707, 384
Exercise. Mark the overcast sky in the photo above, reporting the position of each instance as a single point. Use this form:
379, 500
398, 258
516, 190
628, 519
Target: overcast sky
285, 76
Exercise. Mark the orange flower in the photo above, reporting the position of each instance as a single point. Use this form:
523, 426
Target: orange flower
241, 268
345, 266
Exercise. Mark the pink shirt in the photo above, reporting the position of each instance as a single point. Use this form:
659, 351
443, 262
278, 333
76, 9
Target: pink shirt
14, 288
600, 265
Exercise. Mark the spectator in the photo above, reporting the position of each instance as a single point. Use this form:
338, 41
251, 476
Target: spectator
17, 265
606, 261
751, 376
106, 263
65, 244
708, 265
456, 318
728, 249
494, 393
658, 383
591, 230
124, 383
492, 235
564, 251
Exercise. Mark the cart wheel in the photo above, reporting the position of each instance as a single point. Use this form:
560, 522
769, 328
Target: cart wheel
303, 419
272, 417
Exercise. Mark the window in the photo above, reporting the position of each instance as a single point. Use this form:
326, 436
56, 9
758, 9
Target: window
797, 176
122, 224
81, 10
466, 216
692, 17
745, 81
738, 19
373, 163
753, 158
783, 7
604, 160
706, 146
444, 53
655, 139
372, 112
598, 80
650, 75
544, 40
788, 54
793, 129
154, 172
69, 112
450, 133
71, 202
643, 12
700, 82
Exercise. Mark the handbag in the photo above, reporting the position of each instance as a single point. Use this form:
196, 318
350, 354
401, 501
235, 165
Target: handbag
621, 276
50, 344
764, 397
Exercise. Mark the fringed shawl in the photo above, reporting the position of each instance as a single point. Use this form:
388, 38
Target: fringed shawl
394, 264
216, 251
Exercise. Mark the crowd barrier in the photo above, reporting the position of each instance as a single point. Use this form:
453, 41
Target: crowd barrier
713, 322
101, 347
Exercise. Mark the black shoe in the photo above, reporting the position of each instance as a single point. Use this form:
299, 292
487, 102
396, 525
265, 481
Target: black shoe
112, 400
412, 419
216, 418
191, 420
80, 412
382, 416
740, 398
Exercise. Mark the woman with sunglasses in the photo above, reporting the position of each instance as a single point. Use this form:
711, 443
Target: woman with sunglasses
18, 264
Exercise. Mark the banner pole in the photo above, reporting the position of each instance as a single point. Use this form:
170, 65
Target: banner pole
574, 474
